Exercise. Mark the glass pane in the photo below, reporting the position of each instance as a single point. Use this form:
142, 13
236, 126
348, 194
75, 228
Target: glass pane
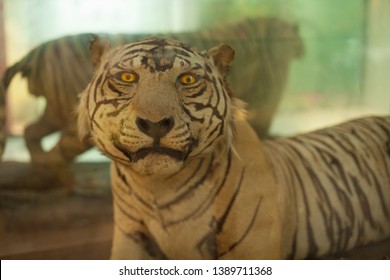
300, 65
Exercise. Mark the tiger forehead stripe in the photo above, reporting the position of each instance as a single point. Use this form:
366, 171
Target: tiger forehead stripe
159, 42
152, 46
158, 55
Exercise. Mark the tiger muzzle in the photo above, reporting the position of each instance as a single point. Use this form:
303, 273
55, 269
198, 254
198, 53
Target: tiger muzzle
156, 130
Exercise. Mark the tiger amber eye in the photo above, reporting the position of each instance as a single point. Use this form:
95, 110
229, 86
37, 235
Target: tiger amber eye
129, 77
188, 79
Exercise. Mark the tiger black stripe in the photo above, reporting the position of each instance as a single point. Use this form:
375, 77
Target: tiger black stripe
194, 213
208, 242
353, 156
313, 249
190, 177
221, 221
190, 189
216, 192
146, 242
245, 234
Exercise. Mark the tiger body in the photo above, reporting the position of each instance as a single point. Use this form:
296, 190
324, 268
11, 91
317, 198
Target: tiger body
335, 183
57, 71
191, 179
60, 69
216, 214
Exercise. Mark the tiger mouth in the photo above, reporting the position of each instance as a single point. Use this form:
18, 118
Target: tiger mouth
178, 155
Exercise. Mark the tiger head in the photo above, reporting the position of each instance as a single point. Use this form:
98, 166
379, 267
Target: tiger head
156, 104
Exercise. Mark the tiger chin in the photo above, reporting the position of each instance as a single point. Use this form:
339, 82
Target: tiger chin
191, 180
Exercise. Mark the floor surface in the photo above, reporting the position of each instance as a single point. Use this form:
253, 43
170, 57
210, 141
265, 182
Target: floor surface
39, 220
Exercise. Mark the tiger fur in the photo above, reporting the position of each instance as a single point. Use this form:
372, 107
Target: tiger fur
191, 179
60, 69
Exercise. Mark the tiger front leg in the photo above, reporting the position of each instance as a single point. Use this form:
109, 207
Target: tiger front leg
44, 172
134, 245
59, 159
33, 135
68, 147
56, 161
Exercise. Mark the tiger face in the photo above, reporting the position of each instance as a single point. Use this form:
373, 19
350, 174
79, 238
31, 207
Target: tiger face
155, 104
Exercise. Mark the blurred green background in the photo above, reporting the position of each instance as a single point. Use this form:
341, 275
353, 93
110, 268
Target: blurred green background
334, 36
343, 74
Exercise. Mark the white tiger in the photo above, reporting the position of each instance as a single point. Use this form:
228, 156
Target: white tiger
191, 180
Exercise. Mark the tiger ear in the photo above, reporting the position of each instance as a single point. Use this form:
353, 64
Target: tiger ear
98, 47
223, 56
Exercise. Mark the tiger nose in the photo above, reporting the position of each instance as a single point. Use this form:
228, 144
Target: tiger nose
155, 130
